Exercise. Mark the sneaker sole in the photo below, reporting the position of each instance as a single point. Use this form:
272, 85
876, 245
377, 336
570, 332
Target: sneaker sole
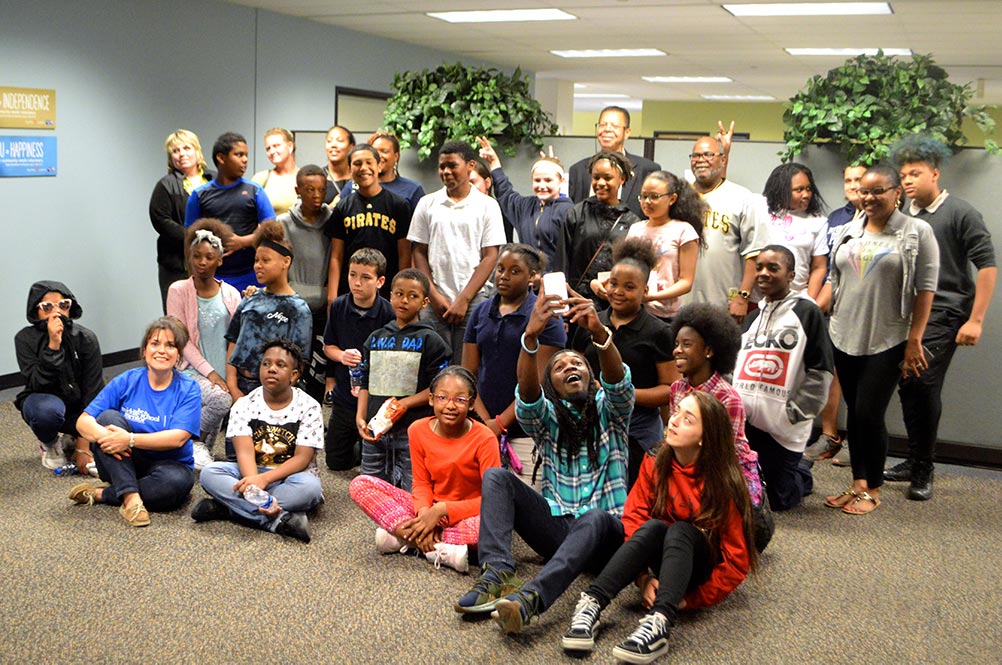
579, 643
482, 608
508, 614
626, 656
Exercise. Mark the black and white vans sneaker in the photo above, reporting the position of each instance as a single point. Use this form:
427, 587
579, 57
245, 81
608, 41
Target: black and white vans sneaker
584, 623
647, 642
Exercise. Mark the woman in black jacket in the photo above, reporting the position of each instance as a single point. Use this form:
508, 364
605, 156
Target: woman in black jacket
60, 361
186, 170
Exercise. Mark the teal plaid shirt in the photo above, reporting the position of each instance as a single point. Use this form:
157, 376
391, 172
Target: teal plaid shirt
573, 487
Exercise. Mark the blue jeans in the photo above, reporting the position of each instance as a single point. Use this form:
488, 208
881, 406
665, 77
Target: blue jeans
296, 493
570, 545
163, 485
46, 414
389, 458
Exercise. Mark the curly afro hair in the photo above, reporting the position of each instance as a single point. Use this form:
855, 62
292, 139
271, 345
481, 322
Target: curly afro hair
718, 330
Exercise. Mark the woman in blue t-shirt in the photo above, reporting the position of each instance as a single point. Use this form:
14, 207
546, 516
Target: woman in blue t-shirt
140, 429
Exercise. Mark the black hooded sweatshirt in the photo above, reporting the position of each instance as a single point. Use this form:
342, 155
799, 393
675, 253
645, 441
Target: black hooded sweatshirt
74, 372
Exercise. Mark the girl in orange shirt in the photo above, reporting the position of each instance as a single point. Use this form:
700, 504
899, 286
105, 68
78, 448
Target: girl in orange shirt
449, 455
688, 526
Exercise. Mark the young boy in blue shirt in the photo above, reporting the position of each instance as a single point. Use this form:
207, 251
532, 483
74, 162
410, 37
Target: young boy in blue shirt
399, 361
352, 318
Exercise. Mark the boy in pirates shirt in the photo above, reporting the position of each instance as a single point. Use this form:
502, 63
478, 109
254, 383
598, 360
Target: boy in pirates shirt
276, 431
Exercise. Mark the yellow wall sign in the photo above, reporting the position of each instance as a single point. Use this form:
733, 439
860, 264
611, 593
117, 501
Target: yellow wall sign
31, 108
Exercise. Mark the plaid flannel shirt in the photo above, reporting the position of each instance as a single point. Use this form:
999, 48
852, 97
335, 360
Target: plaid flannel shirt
572, 486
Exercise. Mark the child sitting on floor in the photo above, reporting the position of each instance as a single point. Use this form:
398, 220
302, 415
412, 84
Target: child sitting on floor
449, 455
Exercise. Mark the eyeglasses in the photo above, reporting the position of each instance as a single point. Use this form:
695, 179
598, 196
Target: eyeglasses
696, 156
458, 401
653, 198
609, 125
63, 305
876, 191
406, 296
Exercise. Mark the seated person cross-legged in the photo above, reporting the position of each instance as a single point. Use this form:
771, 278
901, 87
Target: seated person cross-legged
141, 427
276, 430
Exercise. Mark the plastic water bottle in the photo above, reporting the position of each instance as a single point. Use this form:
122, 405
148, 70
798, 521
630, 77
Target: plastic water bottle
355, 375
258, 497
66, 469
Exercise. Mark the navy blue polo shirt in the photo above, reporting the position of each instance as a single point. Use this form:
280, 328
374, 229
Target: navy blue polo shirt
643, 343
348, 326
242, 205
499, 340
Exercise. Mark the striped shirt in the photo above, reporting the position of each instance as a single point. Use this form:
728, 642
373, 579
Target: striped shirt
572, 486
729, 397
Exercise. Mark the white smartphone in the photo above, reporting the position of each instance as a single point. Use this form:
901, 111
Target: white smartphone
555, 284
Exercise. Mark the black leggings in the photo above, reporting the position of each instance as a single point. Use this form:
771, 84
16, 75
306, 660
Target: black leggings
868, 384
678, 552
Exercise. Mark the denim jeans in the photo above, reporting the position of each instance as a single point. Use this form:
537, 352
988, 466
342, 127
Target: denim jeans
296, 493
570, 545
163, 485
46, 414
678, 553
389, 458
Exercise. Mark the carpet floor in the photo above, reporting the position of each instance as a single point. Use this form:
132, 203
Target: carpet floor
911, 583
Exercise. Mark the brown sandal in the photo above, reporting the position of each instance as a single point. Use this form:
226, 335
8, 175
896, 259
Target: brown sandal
842, 500
850, 509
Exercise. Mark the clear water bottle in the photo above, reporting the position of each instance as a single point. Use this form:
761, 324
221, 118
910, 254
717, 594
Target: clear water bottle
258, 497
355, 375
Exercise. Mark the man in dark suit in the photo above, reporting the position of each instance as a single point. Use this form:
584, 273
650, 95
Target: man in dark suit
612, 130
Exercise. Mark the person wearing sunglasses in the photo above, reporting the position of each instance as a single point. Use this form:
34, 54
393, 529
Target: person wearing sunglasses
884, 271
60, 361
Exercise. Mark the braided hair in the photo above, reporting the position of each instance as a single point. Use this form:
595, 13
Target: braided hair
573, 430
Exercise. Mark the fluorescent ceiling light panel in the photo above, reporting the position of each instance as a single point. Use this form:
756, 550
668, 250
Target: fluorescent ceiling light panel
504, 16
810, 9
599, 95
687, 79
740, 98
611, 53
847, 52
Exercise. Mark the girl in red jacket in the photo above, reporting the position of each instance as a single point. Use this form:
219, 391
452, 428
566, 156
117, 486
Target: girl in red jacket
687, 519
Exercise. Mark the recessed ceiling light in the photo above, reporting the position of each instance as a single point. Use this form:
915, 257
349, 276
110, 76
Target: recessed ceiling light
810, 9
504, 16
740, 98
687, 79
599, 95
611, 53
847, 52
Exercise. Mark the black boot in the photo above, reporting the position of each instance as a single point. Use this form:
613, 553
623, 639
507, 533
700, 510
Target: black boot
921, 487
899, 473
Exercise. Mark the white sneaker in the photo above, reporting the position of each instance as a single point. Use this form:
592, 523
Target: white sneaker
453, 556
52, 456
202, 456
387, 543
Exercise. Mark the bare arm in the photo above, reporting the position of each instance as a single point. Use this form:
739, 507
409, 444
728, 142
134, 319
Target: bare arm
334, 269
738, 307
404, 253
816, 278
419, 257
915, 361
457, 310
687, 255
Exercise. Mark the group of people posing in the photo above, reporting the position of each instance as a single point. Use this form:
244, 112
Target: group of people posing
629, 381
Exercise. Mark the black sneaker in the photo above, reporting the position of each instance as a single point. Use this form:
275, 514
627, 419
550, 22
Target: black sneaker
515, 611
584, 623
647, 642
899, 473
921, 487
293, 525
209, 509
329, 398
488, 590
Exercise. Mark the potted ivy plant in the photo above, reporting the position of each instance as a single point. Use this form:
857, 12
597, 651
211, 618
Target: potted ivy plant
457, 102
867, 103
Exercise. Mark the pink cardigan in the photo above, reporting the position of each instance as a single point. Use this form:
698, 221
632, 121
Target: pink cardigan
182, 303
